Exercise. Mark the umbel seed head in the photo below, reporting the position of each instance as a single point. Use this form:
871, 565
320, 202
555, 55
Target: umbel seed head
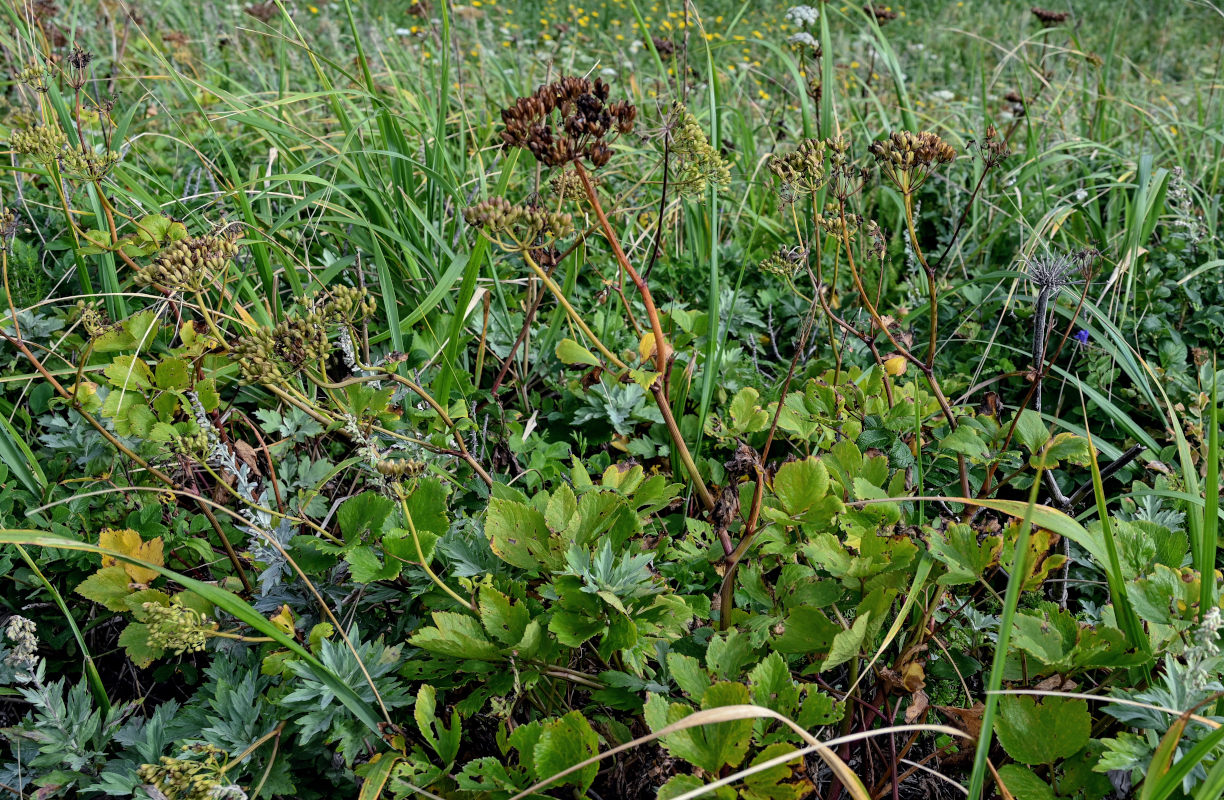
908, 158
567, 121
522, 226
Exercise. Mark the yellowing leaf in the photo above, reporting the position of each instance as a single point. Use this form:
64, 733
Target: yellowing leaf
128, 542
283, 619
646, 347
895, 366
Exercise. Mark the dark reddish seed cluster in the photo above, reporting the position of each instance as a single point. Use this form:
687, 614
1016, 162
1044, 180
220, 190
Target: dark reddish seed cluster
881, 13
567, 121
1049, 18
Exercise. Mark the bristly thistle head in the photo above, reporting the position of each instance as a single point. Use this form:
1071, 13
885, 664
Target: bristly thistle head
1054, 271
907, 159
1050, 273
567, 121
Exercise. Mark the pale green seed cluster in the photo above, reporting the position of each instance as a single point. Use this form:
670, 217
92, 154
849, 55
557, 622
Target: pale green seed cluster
803, 170
350, 304
93, 320
84, 163
568, 186
176, 628
34, 77
189, 264
399, 467
271, 355
187, 778
192, 445
40, 142
524, 224
700, 163
784, 262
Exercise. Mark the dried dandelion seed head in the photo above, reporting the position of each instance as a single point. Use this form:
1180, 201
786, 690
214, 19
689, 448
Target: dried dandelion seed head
567, 121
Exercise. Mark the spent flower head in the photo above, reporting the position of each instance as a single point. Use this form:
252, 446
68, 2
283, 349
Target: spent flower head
567, 121
907, 159
1049, 18
801, 171
882, 13
991, 149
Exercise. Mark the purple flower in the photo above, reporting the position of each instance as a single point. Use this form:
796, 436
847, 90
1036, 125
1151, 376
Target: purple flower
1081, 336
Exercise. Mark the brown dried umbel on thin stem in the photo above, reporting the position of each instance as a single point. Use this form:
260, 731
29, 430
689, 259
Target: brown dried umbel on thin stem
881, 13
78, 67
1049, 18
991, 149
907, 159
264, 12
567, 121
666, 48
